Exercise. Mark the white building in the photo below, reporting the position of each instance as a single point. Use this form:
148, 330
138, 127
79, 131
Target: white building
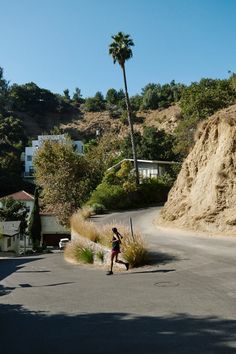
10, 236
148, 168
51, 231
28, 200
30, 150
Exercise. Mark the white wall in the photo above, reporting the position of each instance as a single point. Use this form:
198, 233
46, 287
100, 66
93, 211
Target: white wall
29, 152
50, 225
15, 243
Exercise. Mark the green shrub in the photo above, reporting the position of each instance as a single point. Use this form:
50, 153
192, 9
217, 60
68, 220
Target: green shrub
100, 256
154, 190
118, 197
111, 196
84, 254
79, 252
98, 208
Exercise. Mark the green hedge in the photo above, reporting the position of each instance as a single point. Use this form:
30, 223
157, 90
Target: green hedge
115, 197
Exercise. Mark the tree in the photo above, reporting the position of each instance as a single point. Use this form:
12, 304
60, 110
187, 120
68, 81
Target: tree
202, 99
112, 96
35, 222
11, 137
157, 145
120, 50
64, 176
199, 101
96, 103
67, 94
13, 210
100, 155
152, 145
3, 91
77, 96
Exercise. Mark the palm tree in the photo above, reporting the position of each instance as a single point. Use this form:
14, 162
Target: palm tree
120, 50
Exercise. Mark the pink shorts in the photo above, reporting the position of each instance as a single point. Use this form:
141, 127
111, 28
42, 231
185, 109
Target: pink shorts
114, 253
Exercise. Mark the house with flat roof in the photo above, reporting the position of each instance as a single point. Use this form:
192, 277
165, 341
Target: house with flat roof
148, 168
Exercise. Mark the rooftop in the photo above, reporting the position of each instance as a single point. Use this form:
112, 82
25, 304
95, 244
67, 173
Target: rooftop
21, 196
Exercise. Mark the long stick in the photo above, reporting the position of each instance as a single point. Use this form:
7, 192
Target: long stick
131, 228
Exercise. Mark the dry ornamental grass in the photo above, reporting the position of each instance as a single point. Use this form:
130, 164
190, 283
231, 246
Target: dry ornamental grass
99, 238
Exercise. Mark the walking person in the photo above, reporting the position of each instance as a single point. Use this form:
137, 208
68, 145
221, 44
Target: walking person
115, 250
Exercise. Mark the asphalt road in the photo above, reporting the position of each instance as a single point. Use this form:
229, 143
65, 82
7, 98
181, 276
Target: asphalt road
184, 302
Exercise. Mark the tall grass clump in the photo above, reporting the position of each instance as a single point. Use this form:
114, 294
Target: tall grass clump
132, 246
79, 252
133, 249
86, 212
84, 228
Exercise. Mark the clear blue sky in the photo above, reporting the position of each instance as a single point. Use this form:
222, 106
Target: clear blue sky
61, 44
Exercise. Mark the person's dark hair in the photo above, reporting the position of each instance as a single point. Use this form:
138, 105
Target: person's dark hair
114, 229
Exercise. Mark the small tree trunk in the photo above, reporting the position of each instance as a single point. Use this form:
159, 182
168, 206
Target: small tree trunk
131, 127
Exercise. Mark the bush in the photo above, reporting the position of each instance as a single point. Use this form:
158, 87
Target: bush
153, 190
133, 249
85, 255
120, 197
86, 212
98, 208
100, 256
79, 252
111, 196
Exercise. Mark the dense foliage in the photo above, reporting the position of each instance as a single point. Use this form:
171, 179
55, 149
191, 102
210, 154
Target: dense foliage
153, 96
34, 227
151, 145
64, 176
118, 189
199, 101
13, 210
11, 144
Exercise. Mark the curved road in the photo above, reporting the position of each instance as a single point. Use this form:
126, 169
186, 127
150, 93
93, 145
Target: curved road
185, 303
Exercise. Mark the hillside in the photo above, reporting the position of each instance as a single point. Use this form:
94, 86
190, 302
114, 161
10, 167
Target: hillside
204, 195
85, 125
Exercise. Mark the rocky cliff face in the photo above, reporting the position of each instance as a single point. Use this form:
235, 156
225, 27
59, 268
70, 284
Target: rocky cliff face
204, 195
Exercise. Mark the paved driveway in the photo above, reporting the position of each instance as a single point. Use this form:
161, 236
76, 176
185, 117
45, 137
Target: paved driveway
184, 304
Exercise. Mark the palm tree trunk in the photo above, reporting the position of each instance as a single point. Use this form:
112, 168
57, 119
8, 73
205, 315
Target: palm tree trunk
131, 127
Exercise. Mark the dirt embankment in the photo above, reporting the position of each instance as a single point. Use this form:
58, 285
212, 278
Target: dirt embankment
204, 195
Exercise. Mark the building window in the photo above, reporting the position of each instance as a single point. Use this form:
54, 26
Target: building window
8, 242
29, 157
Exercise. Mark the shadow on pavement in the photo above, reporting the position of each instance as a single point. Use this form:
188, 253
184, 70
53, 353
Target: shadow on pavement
5, 290
11, 265
103, 333
161, 258
149, 271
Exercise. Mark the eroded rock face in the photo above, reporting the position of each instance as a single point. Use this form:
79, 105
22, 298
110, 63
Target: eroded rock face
204, 195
